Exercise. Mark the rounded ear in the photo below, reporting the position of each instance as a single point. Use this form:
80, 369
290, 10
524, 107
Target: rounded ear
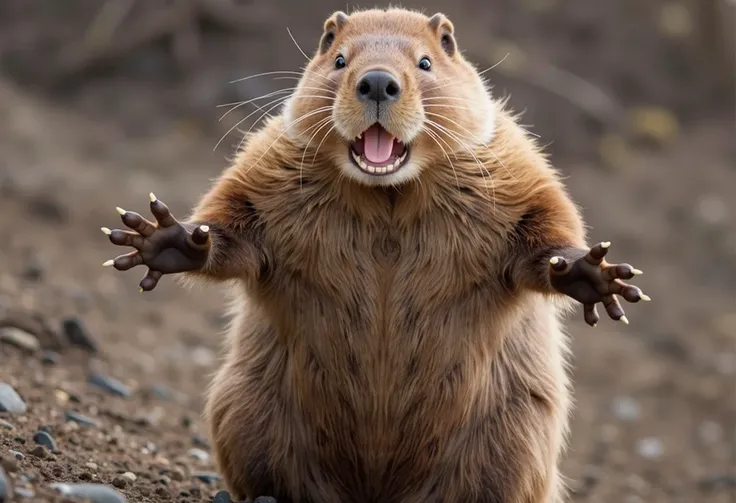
332, 26
445, 30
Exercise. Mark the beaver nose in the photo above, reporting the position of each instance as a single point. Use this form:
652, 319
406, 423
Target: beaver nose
378, 86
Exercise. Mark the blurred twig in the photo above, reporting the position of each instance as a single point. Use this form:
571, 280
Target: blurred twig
577, 91
105, 40
717, 19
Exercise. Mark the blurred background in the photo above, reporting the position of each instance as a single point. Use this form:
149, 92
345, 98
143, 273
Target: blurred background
102, 102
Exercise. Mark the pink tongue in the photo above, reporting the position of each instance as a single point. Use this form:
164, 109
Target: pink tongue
377, 144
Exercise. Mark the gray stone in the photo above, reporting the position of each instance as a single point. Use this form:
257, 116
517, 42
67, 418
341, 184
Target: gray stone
10, 401
76, 333
97, 493
6, 492
20, 339
626, 408
45, 438
110, 385
70, 415
199, 454
650, 448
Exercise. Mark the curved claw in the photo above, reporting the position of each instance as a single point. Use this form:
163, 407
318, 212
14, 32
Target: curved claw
590, 314
201, 235
150, 280
597, 252
161, 212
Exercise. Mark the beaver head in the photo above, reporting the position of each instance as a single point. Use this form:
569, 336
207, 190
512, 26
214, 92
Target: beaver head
388, 95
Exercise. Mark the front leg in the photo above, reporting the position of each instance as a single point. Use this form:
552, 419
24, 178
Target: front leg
214, 243
584, 275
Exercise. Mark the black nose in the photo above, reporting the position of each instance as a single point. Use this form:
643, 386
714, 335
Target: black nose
379, 86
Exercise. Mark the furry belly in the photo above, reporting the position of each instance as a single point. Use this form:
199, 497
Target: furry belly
332, 412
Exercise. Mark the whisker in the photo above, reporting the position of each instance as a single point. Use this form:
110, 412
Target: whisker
297, 45
295, 122
278, 91
284, 98
478, 139
494, 66
324, 122
452, 98
278, 102
455, 137
458, 107
435, 137
241, 103
281, 72
327, 134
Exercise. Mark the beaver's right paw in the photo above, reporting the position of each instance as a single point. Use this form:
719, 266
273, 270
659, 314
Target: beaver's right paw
167, 247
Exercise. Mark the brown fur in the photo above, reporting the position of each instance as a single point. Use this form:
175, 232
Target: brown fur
392, 344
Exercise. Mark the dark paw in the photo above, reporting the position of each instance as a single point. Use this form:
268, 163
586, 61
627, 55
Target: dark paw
166, 247
590, 279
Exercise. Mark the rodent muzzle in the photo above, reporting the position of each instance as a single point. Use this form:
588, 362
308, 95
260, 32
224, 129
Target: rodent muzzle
378, 86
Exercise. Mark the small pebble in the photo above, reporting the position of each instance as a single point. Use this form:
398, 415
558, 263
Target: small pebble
109, 384
91, 466
6, 492
120, 482
626, 408
44, 438
163, 492
50, 357
97, 493
718, 481
650, 448
177, 474
129, 476
20, 339
710, 432
34, 270
77, 334
39, 451
10, 401
164, 480
199, 454
79, 418
18, 455
203, 357
200, 441
195, 491
222, 497
161, 392
9, 463
24, 493
6, 425
207, 477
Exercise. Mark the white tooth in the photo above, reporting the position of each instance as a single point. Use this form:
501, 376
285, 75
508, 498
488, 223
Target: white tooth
363, 165
381, 170
371, 169
356, 157
389, 168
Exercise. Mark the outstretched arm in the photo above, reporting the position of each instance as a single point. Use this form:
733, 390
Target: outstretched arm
220, 241
551, 257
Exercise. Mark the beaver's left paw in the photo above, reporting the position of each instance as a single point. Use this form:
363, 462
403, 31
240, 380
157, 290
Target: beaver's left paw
590, 279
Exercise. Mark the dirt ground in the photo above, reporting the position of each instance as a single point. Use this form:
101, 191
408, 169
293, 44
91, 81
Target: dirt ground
654, 170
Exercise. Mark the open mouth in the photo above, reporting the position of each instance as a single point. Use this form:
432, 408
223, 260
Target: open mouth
377, 152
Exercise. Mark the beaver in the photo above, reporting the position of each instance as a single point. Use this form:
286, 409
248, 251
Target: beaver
401, 254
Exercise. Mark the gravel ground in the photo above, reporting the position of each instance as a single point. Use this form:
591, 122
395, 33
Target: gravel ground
101, 385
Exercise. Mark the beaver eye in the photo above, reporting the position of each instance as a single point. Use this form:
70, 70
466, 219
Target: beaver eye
425, 64
339, 63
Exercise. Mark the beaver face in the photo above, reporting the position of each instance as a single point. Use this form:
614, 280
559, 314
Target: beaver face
388, 95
